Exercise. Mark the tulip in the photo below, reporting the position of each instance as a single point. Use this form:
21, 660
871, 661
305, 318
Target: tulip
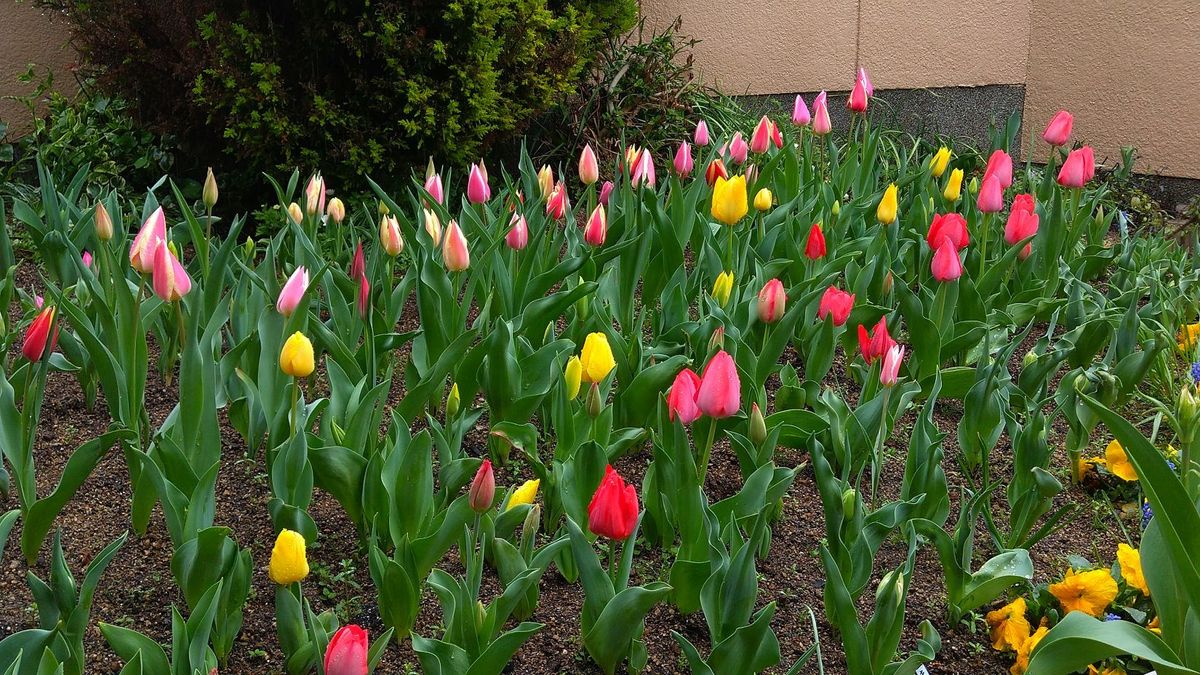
454, 248
776, 136
1078, 169
433, 185
347, 652
483, 488
37, 336
1023, 202
38, 301
716, 169
999, 165
297, 358
389, 235
891, 366
821, 124
288, 561
292, 292
86, 258
358, 264
171, 281
729, 200
701, 135
433, 227
606, 192
857, 102
991, 195
800, 115
104, 225
1058, 131
720, 389
556, 203
632, 154
596, 358
478, 191
722, 288
336, 211
572, 376
153, 230
643, 171
946, 264
885, 213
596, 229
738, 150
760, 140
209, 194
763, 200
364, 296
314, 195
814, 246
835, 303
589, 167
875, 345
717, 340
294, 212
941, 160
1021, 224
953, 186
681, 399
862, 77
613, 511
518, 234
951, 225
524, 494
683, 159
772, 301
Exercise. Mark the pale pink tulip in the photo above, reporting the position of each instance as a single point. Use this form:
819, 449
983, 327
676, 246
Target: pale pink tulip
589, 166
454, 248
478, 191
890, 371
171, 281
800, 115
153, 230
821, 124
292, 292
683, 159
701, 135
518, 233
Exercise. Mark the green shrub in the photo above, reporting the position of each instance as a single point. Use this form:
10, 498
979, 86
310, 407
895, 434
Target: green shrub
352, 86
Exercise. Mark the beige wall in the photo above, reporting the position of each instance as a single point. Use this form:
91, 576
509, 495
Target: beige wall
28, 36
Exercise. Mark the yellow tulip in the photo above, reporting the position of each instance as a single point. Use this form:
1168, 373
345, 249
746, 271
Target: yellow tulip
545, 180
763, 200
886, 213
729, 200
288, 561
941, 160
953, 186
596, 358
573, 375
524, 494
722, 288
297, 357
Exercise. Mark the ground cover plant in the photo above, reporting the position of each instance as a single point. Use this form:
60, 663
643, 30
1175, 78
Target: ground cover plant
799, 399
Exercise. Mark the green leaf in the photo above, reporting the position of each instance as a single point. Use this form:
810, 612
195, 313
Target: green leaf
1079, 640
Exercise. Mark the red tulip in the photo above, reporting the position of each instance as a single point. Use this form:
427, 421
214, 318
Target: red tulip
1023, 202
951, 225
716, 169
38, 335
1021, 224
613, 511
814, 247
347, 652
946, 264
836, 303
681, 399
1079, 168
760, 140
1000, 166
364, 296
991, 195
858, 96
483, 488
596, 229
556, 204
720, 393
1058, 131
358, 264
875, 346
772, 301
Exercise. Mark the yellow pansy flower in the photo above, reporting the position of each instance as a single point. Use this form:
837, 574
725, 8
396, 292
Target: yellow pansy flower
1009, 626
1026, 648
1130, 560
1118, 462
1089, 592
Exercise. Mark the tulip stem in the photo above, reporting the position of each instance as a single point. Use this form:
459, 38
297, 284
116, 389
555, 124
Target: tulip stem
730, 248
295, 417
702, 467
983, 242
877, 466
612, 565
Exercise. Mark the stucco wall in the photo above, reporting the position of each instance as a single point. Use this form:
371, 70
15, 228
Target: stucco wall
28, 36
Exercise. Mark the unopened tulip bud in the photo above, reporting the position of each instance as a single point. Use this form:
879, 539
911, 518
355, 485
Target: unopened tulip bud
836, 209
389, 236
336, 211
314, 195
849, 502
454, 248
594, 405
1187, 406
545, 177
589, 167
483, 488
583, 308
1031, 358
529, 528
763, 200
973, 186
717, 341
295, 213
888, 282
573, 377
248, 247
758, 425
433, 227
209, 195
104, 225
453, 401
722, 288
953, 186
382, 209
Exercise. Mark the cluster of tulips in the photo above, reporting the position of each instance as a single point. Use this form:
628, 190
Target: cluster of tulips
796, 287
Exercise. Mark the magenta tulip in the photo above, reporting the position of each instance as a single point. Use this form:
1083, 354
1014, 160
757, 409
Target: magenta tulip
946, 264
518, 233
681, 399
483, 488
1000, 165
606, 192
857, 102
478, 190
720, 393
347, 652
433, 185
835, 303
292, 292
951, 225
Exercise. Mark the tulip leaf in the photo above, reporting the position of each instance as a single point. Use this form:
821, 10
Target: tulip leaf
621, 621
1079, 640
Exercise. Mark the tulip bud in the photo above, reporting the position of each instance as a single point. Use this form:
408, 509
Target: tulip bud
683, 160
606, 192
763, 200
483, 488
453, 401
336, 211
701, 135
248, 247
888, 282
772, 301
38, 338
758, 425
722, 288
596, 230
382, 209
295, 213
518, 234
545, 177
389, 236
454, 248
885, 213
289, 562
572, 377
478, 190
593, 404
104, 225
941, 160
525, 494
583, 308
348, 652
1031, 358
836, 209
953, 186
364, 296
529, 528
849, 503
1188, 407
297, 358
480, 615
717, 341
973, 186
209, 194
314, 195
589, 167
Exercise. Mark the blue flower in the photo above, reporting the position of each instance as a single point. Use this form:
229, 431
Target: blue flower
1147, 514
1196, 372
1112, 617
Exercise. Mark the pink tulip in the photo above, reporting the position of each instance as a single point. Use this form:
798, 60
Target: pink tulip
738, 150
683, 159
478, 191
720, 393
1021, 223
454, 248
556, 204
776, 136
153, 230
589, 167
518, 234
1000, 165
292, 292
358, 264
951, 225
643, 171
821, 124
364, 296
701, 135
835, 303
760, 140
800, 115
859, 95
596, 229
890, 371
867, 86
1058, 131
606, 192
772, 301
946, 264
1078, 169
171, 281
991, 195
38, 301
681, 399
1023, 202
86, 258
389, 235
482, 492
433, 185
347, 652
314, 195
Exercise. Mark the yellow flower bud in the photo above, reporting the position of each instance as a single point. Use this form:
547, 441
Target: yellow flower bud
886, 213
288, 561
209, 195
940, 161
546, 180
763, 200
596, 357
297, 359
104, 225
722, 288
836, 209
573, 375
453, 401
953, 186
295, 213
729, 200
524, 494
336, 210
